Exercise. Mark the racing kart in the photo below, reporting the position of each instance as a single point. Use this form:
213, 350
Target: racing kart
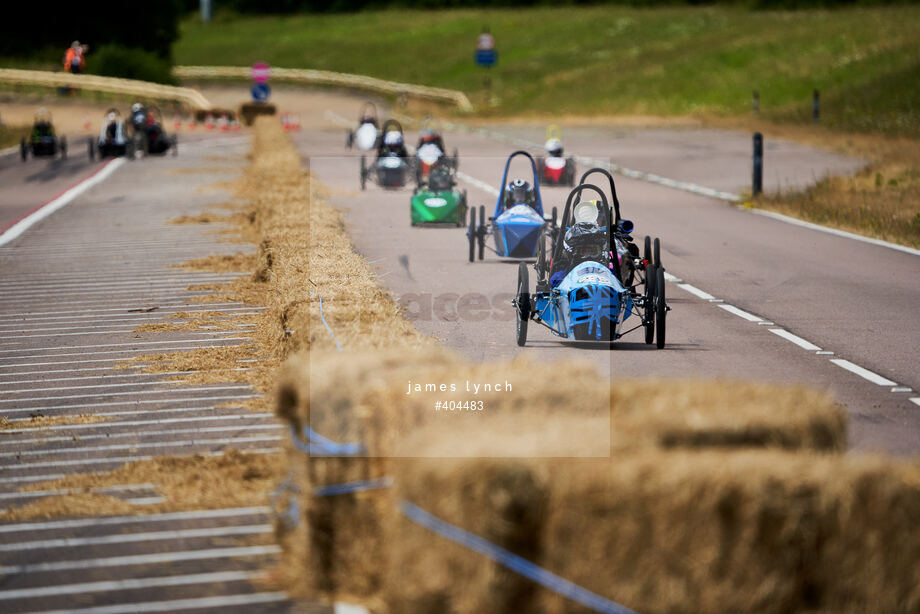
555, 169
392, 167
151, 138
364, 137
437, 200
515, 227
112, 142
430, 149
42, 141
592, 299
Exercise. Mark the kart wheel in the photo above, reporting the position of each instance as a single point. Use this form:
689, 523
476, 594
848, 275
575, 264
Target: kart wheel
363, 172
92, 148
174, 143
472, 234
661, 308
349, 138
540, 265
456, 159
23, 150
481, 234
461, 214
647, 249
129, 149
523, 304
63, 148
555, 217
649, 310
656, 252
570, 165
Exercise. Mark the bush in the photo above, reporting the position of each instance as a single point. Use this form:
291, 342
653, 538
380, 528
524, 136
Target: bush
129, 63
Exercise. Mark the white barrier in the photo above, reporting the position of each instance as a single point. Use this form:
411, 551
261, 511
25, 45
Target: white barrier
325, 77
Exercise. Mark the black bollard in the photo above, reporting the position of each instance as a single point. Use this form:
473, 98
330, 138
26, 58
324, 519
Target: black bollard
757, 182
816, 106
756, 102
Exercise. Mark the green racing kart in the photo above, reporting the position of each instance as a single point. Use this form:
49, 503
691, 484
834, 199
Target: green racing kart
437, 200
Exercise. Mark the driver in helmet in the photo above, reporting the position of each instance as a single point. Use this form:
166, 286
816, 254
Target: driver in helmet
138, 116
554, 148
440, 178
519, 192
430, 137
112, 130
393, 145
585, 240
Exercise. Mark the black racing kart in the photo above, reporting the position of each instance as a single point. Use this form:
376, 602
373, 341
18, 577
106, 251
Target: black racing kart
42, 141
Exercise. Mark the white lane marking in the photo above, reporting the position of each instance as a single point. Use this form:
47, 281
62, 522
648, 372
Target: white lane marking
32, 478
696, 292
127, 309
80, 362
61, 201
197, 603
152, 558
741, 313
71, 542
118, 460
833, 231
94, 395
107, 345
875, 378
97, 304
106, 376
136, 446
100, 295
141, 280
80, 370
26, 494
145, 500
125, 331
110, 323
669, 277
235, 397
347, 608
230, 512
902, 389
128, 584
482, 185
915, 400
139, 287
138, 434
123, 423
802, 343
155, 382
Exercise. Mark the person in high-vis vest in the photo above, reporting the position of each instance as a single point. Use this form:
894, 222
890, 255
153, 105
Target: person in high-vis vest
73, 59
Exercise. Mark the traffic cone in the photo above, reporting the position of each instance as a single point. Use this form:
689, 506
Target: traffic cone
223, 123
209, 122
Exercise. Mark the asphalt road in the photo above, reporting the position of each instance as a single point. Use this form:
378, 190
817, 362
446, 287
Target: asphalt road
820, 292
72, 289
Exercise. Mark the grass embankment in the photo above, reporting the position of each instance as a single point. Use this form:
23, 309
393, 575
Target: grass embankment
610, 60
12, 135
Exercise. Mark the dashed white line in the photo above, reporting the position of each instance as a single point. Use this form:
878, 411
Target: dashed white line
873, 377
230, 512
138, 434
152, 558
696, 292
107, 345
119, 460
127, 584
915, 400
94, 395
198, 603
802, 343
136, 446
118, 538
134, 403
741, 313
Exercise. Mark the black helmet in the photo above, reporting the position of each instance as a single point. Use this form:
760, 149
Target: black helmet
519, 192
585, 240
439, 178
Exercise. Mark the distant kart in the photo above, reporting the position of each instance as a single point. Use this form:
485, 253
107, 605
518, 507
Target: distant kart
518, 222
393, 165
555, 169
430, 149
437, 200
151, 138
594, 280
112, 142
365, 136
42, 141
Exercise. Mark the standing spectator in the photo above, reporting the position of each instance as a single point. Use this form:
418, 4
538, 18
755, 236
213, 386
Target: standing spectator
73, 59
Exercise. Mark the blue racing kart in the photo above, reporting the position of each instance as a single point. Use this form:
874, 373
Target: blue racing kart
518, 222
594, 279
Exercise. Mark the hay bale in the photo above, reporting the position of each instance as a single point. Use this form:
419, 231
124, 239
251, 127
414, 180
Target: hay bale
249, 111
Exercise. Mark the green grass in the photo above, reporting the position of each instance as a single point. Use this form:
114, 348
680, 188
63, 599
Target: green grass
11, 135
610, 60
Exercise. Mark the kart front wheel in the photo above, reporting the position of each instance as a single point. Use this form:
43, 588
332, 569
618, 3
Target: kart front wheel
23, 150
649, 310
472, 234
482, 235
647, 249
656, 252
555, 217
63, 148
349, 138
363, 172
661, 308
522, 304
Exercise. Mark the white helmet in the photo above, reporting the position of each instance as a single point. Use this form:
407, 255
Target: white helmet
136, 107
110, 117
554, 147
392, 138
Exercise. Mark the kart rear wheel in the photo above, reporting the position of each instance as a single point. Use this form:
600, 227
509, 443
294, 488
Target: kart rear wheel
647, 249
481, 235
523, 304
649, 309
174, 143
456, 159
570, 165
656, 252
63, 148
23, 150
461, 215
91, 147
661, 308
363, 172
555, 217
472, 234
349, 138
